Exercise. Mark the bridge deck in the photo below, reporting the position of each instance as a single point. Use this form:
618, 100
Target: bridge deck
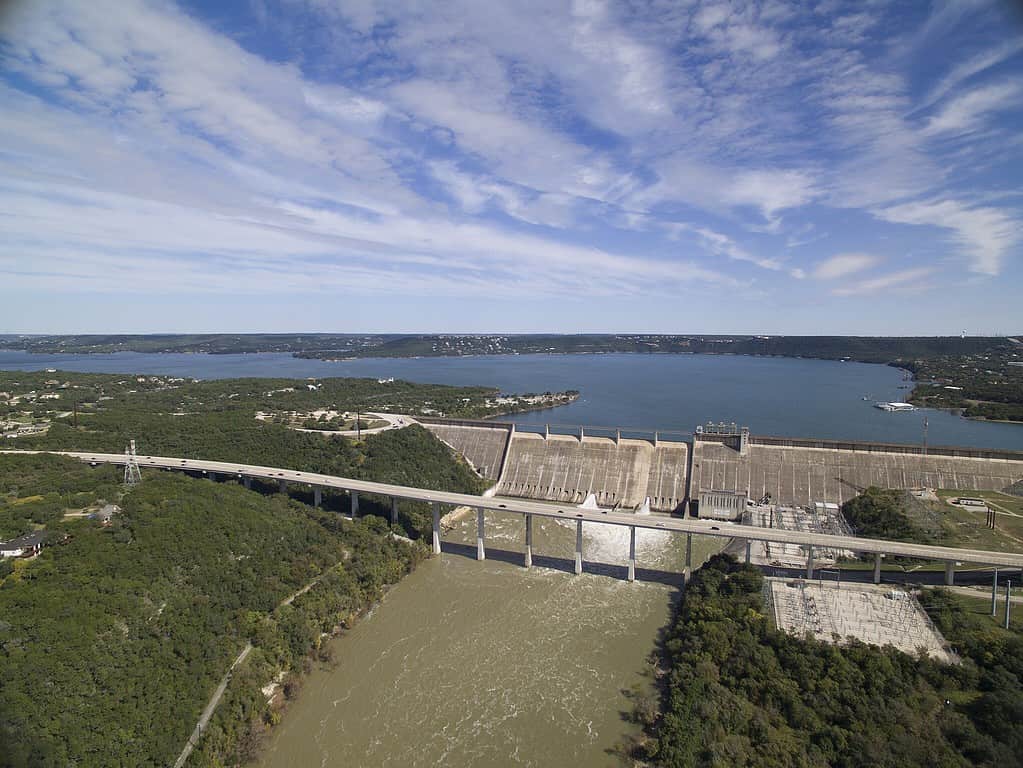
497, 504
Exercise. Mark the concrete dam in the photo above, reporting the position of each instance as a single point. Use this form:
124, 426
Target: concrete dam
801, 472
625, 471
568, 468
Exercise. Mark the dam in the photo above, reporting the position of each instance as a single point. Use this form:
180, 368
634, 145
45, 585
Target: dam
618, 472
802, 472
623, 472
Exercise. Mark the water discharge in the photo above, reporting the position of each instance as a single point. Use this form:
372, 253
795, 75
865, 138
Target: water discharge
487, 664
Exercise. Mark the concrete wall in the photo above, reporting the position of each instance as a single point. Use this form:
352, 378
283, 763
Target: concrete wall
666, 484
799, 474
482, 445
561, 468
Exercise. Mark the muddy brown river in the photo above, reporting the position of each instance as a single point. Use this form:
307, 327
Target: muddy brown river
469, 663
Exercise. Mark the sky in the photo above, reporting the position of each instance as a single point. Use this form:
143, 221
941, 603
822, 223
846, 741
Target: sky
473, 167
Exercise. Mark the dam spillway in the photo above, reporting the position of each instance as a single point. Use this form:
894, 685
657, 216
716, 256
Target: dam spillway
621, 472
568, 468
801, 472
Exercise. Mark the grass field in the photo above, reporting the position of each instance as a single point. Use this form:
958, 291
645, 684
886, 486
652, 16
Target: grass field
962, 527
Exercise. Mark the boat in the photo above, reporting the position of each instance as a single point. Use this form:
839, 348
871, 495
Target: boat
890, 407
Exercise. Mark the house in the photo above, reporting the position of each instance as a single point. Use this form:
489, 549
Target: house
25, 545
106, 514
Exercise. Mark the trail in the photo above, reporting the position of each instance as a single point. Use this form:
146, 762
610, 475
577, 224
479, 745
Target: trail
211, 705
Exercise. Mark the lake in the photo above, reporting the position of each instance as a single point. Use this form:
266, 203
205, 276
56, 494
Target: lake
771, 395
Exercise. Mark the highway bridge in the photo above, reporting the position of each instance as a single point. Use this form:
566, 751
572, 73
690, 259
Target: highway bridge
951, 556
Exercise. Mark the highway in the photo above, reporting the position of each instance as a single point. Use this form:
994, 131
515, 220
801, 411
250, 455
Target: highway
567, 512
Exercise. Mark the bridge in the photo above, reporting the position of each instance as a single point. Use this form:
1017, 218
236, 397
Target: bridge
951, 556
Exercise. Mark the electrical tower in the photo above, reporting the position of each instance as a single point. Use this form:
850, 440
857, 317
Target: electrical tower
132, 473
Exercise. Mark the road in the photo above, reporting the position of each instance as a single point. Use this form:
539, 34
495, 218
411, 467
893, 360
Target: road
519, 506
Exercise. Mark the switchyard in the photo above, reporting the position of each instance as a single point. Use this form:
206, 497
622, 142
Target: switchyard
835, 612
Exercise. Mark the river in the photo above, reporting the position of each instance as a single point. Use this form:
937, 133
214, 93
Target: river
773, 396
488, 664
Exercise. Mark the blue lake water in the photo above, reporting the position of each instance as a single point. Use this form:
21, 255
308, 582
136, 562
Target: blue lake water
773, 396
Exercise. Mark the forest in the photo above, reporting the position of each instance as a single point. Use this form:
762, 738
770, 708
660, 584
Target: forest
738, 692
112, 641
43, 393
881, 514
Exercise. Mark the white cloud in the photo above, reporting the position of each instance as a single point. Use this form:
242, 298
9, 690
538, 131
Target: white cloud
907, 279
984, 234
970, 111
986, 59
843, 265
430, 149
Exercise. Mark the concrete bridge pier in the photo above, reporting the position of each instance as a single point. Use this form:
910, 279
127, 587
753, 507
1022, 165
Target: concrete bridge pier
877, 567
394, 510
689, 556
481, 552
355, 504
578, 547
247, 482
950, 573
317, 496
809, 562
749, 551
529, 541
632, 553
282, 486
436, 527
213, 476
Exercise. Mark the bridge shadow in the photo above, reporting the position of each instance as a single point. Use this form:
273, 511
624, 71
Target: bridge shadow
566, 565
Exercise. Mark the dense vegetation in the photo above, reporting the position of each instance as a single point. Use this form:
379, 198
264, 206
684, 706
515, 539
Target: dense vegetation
216, 420
740, 693
112, 642
881, 514
26, 396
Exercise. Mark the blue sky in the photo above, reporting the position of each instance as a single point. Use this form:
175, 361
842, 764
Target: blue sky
772, 167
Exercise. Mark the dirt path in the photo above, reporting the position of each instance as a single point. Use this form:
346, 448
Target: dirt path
211, 706
207, 713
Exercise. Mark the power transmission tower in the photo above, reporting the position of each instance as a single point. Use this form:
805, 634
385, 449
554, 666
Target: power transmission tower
132, 473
